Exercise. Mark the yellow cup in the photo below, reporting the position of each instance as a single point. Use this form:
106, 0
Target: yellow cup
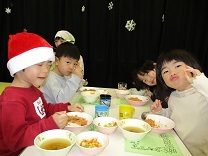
126, 111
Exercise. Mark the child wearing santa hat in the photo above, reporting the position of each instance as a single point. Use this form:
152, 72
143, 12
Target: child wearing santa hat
24, 113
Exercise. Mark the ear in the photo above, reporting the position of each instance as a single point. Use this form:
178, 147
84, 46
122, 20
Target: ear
56, 60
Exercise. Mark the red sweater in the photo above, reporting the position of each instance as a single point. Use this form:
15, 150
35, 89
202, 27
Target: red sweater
24, 113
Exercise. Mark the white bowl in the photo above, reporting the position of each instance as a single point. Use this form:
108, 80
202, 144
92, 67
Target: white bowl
87, 89
90, 96
134, 91
102, 91
161, 124
106, 125
122, 93
136, 100
137, 129
55, 134
73, 127
101, 138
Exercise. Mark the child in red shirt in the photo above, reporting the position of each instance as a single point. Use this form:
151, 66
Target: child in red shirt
24, 113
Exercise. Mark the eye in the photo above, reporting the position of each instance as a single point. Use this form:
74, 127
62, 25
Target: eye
164, 71
144, 80
177, 66
39, 64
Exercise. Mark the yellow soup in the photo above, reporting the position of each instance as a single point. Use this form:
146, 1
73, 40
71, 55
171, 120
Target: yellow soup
134, 129
55, 144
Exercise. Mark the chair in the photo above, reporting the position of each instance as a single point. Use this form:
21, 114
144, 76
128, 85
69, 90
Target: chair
3, 85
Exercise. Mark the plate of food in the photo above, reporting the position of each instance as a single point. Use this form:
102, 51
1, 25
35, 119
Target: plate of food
159, 124
136, 100
78, 121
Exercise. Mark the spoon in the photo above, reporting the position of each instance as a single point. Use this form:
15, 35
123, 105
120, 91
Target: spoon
144, 115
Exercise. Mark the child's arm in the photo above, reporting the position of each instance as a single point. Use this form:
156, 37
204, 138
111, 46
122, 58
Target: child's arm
76, 108
198, 80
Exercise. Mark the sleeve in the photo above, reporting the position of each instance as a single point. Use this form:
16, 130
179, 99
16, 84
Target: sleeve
19, 129
59, 93
201, 84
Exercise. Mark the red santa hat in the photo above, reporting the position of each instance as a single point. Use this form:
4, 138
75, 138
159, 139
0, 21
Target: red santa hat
26, 49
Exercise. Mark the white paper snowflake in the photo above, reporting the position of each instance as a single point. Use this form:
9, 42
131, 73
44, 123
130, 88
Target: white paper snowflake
83, 8
163, 18
130, 25
8, 10
110, 5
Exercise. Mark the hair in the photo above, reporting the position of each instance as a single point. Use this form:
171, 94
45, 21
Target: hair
67, 49
58, 38
177, 55
143, 68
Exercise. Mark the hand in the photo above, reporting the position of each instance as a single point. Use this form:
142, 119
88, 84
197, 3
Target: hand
156, 106
78, 71
60, 119
191, 73
76, 108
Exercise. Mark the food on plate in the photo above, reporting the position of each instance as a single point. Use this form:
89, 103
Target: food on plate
135, 99
92, 143
152, 123
77, 120
110, 124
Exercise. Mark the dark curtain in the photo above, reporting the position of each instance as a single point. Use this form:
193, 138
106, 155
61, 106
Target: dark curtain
109, 50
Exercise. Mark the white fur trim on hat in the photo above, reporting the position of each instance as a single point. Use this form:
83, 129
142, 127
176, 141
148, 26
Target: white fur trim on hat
67, 36
29, 58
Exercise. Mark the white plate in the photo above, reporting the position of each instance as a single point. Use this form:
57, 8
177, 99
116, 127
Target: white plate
164, 124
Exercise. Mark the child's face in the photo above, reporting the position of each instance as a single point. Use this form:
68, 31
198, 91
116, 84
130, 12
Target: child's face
174, 76
58, 42
65, 66
35, 74
149, 78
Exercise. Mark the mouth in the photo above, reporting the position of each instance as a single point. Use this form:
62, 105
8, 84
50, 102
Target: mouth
173, 78
42, 78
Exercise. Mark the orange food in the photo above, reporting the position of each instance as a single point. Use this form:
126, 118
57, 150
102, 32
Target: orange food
151, 123
90, 143
134, 99
78, 120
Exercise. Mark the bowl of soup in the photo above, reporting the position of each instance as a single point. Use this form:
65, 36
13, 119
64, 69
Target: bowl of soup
57, 142
134, 129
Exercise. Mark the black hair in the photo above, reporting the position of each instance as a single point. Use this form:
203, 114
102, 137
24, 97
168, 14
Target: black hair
58, 38
67, 49
177, 55
144, 67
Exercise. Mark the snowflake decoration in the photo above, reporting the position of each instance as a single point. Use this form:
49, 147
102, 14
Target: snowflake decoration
130, 25
110, 5
8, 10
83, 8
24, 30
163, 18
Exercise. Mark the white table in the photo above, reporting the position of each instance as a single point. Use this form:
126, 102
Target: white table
116, 140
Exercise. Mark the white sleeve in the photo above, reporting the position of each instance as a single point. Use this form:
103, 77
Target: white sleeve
201, 84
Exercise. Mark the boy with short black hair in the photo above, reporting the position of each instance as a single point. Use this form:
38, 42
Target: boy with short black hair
66, 77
